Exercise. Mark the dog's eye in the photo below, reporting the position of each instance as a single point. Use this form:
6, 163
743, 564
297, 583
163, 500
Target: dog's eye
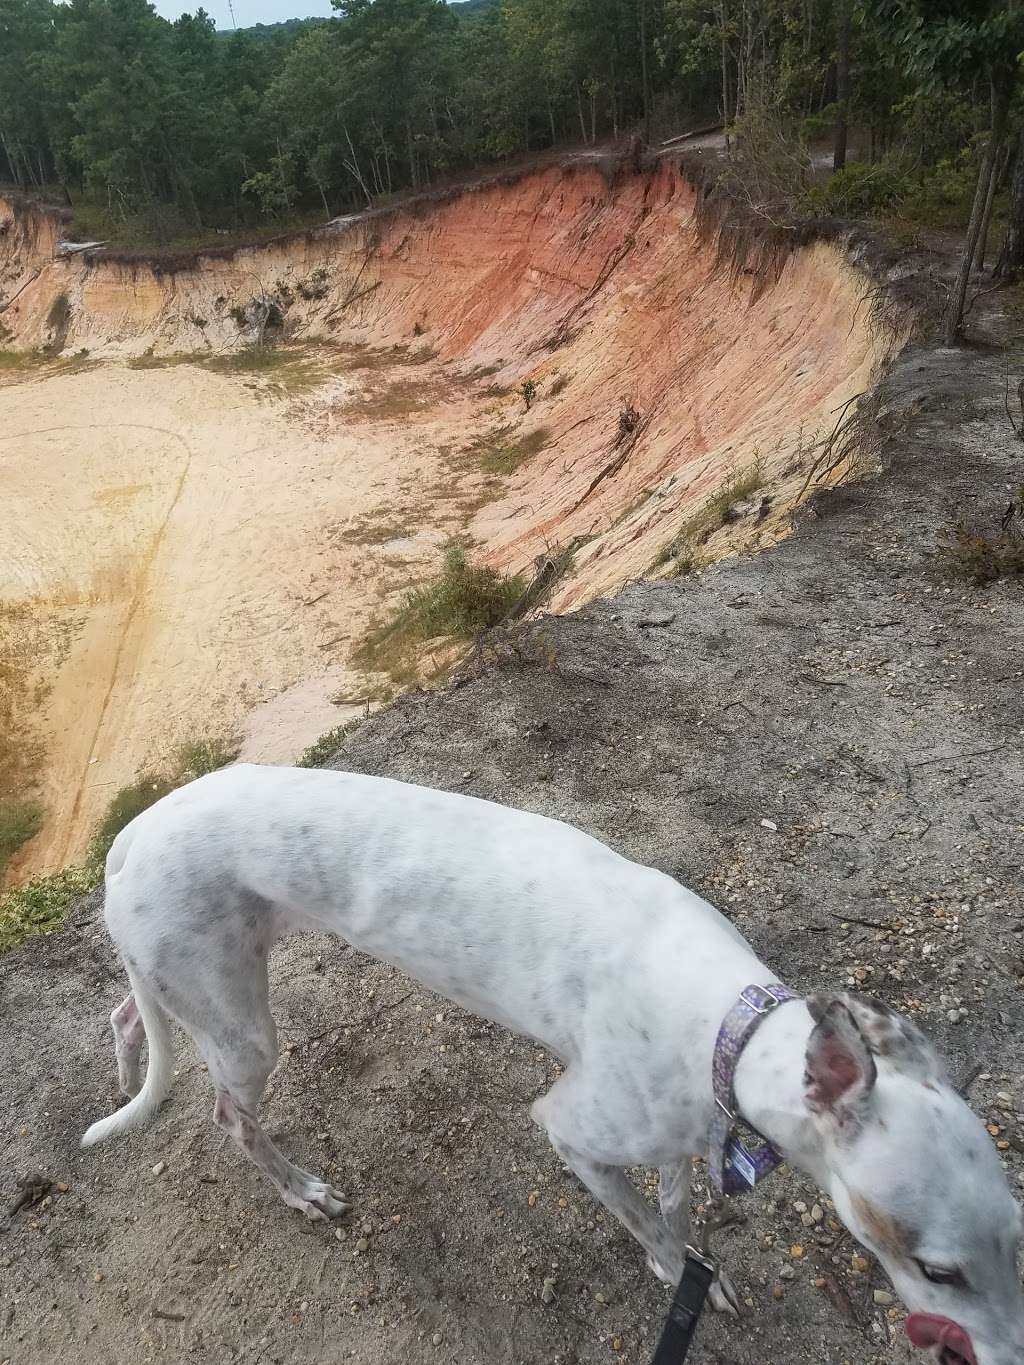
939, 1275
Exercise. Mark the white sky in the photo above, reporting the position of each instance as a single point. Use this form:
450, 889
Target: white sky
248, 12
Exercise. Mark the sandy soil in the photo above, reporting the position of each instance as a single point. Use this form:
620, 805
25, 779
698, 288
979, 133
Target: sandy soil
212, 547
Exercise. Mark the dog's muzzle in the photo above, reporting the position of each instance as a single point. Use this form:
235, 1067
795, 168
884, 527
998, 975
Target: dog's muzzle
927, 1330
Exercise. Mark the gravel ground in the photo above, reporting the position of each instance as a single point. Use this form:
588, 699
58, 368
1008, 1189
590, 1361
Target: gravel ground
827, 741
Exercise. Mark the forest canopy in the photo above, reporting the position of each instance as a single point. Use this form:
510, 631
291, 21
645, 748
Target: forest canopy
174, 128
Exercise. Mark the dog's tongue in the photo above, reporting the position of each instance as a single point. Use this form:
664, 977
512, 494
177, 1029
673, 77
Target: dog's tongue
927, 1329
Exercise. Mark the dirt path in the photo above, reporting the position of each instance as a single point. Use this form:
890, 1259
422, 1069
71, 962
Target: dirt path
845, 686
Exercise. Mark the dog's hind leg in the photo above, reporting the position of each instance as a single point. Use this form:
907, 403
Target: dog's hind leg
129, 1032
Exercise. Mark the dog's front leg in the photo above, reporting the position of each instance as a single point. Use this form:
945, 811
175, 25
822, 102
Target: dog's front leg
674, 1199
609, 1185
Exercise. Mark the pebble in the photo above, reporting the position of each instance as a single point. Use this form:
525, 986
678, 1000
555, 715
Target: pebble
858, 1265
817, 1213
160, 1167
547, 1293
883, 1297
437, 1338
769, 824
362, 1245
787, 1273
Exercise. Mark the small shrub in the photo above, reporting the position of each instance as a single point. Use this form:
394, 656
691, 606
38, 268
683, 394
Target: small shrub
327, 745
857, 191
983, 559
315, 285
717, 512
528, 389
41, 904
19, 821
463, 601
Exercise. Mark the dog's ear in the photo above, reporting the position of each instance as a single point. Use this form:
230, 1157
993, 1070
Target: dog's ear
893, 1038
840, 1068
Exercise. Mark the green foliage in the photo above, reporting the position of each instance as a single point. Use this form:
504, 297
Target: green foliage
462, 602
20, 820
718, 511
172, 134
40, 905
501, 453
857, 191
197, 757
327, 745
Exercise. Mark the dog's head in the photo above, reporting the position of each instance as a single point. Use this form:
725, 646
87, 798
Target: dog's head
916, 1178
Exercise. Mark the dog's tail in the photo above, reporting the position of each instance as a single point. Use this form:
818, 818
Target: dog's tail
159, 1075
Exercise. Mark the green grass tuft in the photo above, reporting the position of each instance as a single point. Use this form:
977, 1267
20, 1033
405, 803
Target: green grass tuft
19, 821
501, 454
327, 745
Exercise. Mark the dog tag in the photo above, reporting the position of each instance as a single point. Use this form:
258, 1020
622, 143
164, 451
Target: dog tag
742, 1162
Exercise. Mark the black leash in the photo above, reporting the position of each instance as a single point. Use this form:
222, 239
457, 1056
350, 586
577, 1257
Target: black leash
688, 1301
681, 1325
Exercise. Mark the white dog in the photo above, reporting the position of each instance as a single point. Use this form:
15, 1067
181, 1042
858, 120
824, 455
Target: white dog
617, 969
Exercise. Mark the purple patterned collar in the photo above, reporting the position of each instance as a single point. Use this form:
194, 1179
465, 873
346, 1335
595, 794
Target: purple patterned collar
735, 1164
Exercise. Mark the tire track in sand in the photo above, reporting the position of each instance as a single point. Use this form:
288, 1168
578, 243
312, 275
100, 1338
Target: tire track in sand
135, 601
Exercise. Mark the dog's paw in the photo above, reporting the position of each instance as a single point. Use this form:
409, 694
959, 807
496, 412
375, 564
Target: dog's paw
665, 1274
723, 1296
319, 1202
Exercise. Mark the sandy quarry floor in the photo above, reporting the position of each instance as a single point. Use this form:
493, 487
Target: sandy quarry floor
845, 686
198, 552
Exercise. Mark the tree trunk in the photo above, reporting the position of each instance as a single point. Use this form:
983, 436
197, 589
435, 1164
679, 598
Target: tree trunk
579, 107
998, 166
412, 154
1001, 92
725, 76
1011, 258
354, 167
644, 73
841, 130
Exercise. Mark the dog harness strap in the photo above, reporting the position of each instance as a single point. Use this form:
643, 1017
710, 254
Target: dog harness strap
735, 1164
681, 1323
